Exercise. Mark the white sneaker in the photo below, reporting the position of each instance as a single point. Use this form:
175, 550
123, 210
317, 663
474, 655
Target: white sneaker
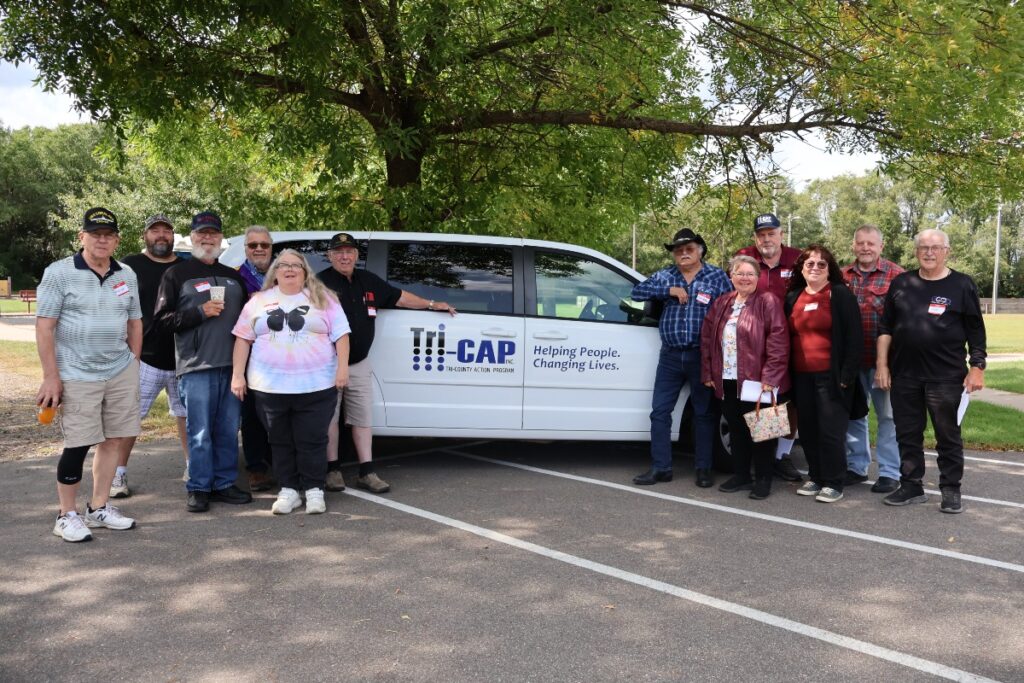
108, 516
119, 487
72, 529
315, 502
287, 500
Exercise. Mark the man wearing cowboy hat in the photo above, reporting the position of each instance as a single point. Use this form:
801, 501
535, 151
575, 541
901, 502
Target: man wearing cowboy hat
687, 289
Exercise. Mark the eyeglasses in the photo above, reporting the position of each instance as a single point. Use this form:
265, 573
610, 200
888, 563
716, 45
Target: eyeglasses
290, 266
258, 245
932, 249
102, 235
819, 265
744, 274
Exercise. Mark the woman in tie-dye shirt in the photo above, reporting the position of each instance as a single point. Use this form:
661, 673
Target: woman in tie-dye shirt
291, 351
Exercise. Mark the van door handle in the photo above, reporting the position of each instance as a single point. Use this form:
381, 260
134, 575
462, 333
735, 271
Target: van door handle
498, 332
550, 335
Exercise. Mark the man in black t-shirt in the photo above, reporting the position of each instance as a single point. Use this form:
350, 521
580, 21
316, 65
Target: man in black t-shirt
930, 315
361, 294
156, 369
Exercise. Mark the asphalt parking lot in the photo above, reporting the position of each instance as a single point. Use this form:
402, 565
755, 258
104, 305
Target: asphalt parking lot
517, 561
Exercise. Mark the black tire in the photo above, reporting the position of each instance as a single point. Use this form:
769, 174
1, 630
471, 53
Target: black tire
720, 453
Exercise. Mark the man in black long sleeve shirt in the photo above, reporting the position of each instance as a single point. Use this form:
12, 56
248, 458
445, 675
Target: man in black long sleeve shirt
930, 315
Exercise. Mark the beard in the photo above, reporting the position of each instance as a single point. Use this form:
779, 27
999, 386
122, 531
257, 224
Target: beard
159, 249
203, 253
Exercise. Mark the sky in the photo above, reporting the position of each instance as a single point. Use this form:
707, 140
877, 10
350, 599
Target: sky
22, 103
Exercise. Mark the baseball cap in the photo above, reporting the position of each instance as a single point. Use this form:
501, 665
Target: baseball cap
342, 239
206, 219
158, 218
766, 221
98, 218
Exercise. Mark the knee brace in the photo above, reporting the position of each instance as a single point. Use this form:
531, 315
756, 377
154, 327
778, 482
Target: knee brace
69, 467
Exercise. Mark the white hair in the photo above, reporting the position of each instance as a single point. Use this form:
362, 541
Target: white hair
929, 233
257, 228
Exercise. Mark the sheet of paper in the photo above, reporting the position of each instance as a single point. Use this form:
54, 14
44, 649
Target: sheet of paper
965, 399
750, 390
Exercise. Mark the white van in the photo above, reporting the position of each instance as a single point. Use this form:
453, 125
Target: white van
547, 343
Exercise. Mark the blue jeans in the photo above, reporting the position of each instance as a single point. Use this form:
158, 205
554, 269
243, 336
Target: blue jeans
676, 368
858, 441
211, 420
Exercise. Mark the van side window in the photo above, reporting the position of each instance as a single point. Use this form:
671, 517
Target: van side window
577, 288
472, 278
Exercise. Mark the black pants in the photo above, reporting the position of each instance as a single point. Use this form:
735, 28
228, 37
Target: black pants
911, 400
744, 450
255, 446
297, 428
823, 421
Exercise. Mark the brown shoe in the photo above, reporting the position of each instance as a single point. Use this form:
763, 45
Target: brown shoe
335, 481
372, 483
260, 481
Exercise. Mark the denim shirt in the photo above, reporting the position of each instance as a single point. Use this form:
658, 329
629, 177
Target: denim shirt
680, 324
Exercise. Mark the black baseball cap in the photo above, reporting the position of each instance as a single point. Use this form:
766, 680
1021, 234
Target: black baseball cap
342, 240
98, 218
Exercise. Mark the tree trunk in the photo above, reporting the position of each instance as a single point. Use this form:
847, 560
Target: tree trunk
403, 173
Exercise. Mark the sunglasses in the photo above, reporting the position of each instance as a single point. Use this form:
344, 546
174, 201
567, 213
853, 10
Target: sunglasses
258, 245
820, 265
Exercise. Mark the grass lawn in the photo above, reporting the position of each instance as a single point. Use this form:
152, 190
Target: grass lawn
15, 305
1005, 333
986, 427
21, 359
1006, 376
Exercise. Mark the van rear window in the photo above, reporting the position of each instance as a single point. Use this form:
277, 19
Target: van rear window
472, 278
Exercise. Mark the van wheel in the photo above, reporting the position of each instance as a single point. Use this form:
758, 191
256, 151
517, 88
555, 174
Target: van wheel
720, 452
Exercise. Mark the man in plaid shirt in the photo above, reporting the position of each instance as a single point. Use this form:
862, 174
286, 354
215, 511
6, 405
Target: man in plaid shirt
687, 288
869, 277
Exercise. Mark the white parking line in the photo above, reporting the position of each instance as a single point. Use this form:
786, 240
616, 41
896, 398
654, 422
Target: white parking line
979, 499
942, 552
991, 460
901, 658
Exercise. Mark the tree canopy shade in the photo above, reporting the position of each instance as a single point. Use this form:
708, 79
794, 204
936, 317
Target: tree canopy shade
501, 114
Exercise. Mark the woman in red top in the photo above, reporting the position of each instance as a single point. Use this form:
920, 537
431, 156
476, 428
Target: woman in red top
826, 342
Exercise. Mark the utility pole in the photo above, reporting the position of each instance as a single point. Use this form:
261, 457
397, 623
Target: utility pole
995, 269
789, 230
634, 246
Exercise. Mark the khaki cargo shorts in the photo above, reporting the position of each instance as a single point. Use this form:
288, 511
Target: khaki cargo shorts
92, 412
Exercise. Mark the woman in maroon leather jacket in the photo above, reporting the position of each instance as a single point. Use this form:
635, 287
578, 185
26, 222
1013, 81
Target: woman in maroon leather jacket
745, 337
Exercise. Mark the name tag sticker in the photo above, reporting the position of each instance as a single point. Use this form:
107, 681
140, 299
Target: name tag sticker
203, 286
121, 288
703, 298
936, 309
786, 273
811, 307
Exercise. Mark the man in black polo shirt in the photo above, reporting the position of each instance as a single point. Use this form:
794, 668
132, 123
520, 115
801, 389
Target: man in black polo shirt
930, 315
361, 294
156, 369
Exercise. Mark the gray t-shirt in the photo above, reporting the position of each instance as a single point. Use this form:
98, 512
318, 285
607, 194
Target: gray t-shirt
92, 315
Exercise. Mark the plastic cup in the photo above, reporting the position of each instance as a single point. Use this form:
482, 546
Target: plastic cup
216, 294
46, 414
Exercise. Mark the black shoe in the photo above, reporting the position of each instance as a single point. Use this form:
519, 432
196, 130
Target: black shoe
704, 478
905, 496
232, 495
885, 485
762, 489
197, 501
783, 468
734, 484
951, 502
652, 477
854, 478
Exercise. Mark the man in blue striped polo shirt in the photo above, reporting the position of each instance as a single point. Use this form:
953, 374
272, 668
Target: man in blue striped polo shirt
89, 338
687, 288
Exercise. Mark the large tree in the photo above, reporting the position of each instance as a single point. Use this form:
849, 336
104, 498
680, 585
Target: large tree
500, 114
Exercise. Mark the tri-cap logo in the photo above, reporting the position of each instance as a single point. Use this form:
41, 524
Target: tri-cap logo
484, 355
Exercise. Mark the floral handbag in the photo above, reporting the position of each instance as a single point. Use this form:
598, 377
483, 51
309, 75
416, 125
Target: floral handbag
770, 424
